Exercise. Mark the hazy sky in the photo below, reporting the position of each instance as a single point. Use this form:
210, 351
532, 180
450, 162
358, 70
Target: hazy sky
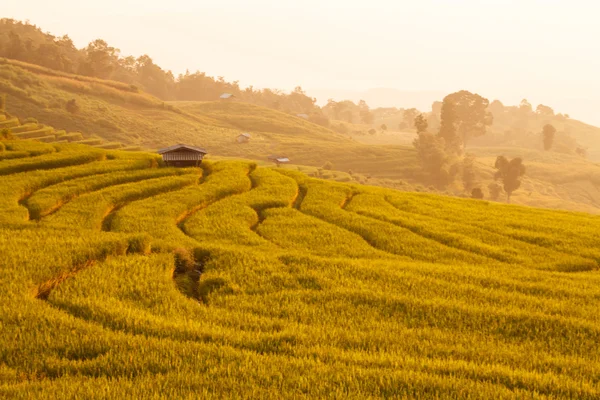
546, 51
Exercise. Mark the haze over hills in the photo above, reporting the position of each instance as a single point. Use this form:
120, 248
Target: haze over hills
382, 97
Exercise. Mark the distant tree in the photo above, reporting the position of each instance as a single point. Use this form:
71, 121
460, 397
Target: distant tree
544, 110
328, 166
496, 108
72, 106
100, 59
372, 131
495, 190
548, 133
477, 193
469, 176
409, 116
431, 152
366, 116
384, 127
464, 116
509, 172
525, 107
421, 123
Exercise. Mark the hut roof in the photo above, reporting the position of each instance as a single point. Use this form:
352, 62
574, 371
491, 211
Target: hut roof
305, 116
247, 135
182, 146
226, 96
280, 159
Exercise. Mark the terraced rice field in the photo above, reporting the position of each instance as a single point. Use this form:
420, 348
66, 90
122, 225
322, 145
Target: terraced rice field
120, 278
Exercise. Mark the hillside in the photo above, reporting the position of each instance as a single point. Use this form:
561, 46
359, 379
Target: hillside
119, 278
115, 114
120, 113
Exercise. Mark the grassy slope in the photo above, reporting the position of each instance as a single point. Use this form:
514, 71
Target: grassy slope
308, 288
116, 112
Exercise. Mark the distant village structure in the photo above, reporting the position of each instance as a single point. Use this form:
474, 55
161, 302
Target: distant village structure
278, 160
182, 155
226, 96
244, 138
303, 116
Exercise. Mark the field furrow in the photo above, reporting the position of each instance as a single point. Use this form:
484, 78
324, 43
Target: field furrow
233, 279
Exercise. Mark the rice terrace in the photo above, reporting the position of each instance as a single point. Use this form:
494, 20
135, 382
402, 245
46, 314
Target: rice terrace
169, 233
119, 275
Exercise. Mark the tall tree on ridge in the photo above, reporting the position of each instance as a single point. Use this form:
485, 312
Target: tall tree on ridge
464, 116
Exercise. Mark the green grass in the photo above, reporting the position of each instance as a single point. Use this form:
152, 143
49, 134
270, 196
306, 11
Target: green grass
296, 287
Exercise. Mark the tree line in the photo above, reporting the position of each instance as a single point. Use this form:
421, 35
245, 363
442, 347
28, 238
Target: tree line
464, 116
25, 42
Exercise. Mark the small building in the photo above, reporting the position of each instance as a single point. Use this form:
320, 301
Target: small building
279, 160
244, 138
303, 116
182, 155
226, 96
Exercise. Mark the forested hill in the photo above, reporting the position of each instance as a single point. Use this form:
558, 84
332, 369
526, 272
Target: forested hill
25, 42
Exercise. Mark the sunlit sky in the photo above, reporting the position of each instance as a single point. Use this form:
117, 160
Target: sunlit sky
546, 51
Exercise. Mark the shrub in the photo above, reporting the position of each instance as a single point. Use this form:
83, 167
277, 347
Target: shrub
72, 106
328, 166
6, 134
495, 190
477, 193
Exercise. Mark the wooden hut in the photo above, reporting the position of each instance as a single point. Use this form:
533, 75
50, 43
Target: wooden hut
243, 138
182, 155
278, 160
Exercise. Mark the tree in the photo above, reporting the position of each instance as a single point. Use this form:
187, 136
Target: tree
464, 116
431, 152
510, 173
101, 59
372, 131
384, 127
544, 110
477, 193
421, 123
365, 113
409, 116
469, 172
72, 106
496, 108
328, 166
495, 190
548, 133
525, 107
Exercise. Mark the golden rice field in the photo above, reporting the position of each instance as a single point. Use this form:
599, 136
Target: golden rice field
123, 279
